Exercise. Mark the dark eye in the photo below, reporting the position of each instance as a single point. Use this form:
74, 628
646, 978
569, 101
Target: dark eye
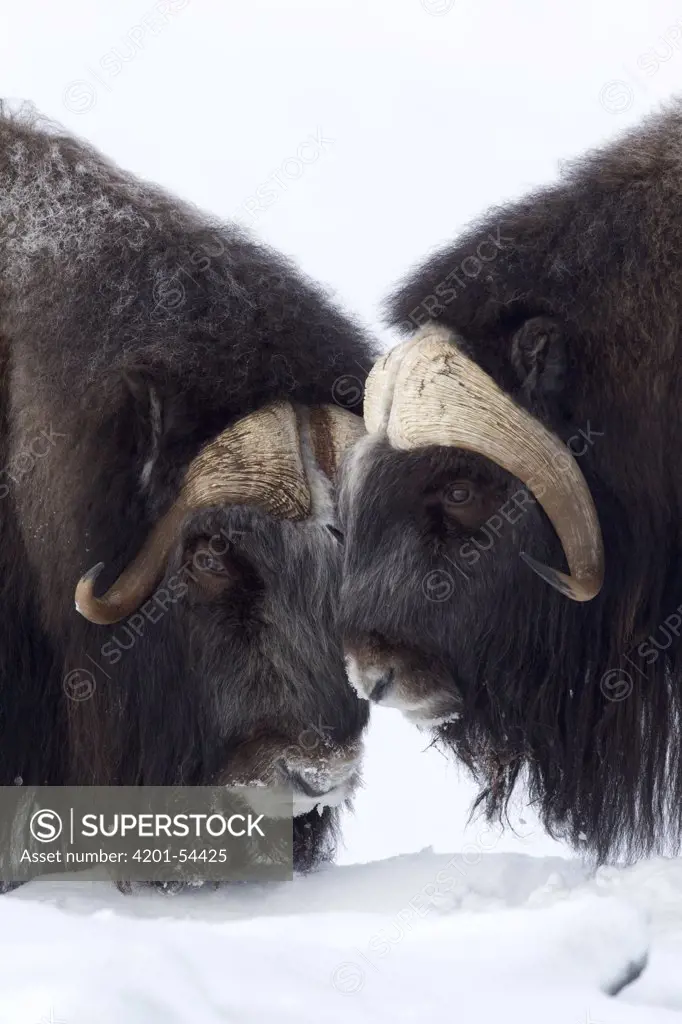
458, 495
212, 556
206, 561
212, 570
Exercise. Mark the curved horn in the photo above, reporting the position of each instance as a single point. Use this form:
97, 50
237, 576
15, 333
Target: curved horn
333, 432
257, 461
427, 392
380, 386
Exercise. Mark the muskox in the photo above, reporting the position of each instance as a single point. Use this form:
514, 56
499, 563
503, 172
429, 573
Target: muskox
513, 569
169, 438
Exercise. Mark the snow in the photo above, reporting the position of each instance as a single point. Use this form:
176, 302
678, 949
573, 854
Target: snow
496, 937
378, 129
510, 938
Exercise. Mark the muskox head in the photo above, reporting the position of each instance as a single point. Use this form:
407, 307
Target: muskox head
467, 461
512, 521
236, 588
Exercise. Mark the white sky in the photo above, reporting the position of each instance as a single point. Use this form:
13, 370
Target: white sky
435, 110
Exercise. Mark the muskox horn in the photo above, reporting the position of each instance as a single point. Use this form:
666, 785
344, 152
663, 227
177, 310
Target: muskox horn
427, 392
333, 431
257, 461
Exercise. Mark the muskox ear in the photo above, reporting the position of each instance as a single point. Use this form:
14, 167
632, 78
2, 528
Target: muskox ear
146, 423
538, 355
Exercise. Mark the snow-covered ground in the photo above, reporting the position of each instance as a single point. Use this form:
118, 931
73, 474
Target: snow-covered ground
412, 117
498, 939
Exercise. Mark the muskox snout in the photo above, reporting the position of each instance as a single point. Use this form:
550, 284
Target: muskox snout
383, 686
370, 681
315, 771
315, 786
395, 678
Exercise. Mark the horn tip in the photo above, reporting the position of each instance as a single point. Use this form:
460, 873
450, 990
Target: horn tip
91, 575
575, 589
84, 586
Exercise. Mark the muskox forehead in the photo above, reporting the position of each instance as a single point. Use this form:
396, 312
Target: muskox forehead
322, 503
355, 469
258, 535
374, 470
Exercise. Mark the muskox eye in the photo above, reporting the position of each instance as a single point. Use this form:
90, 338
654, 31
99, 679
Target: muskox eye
213, 561
214, 569
458, 495
340, 537
213, 564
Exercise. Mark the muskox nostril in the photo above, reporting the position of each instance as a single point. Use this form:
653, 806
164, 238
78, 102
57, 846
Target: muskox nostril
382, 686
303, 786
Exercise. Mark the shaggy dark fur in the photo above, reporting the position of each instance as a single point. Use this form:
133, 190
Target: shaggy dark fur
133, 330
572, 300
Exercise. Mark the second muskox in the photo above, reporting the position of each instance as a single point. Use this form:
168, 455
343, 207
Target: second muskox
514, 554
